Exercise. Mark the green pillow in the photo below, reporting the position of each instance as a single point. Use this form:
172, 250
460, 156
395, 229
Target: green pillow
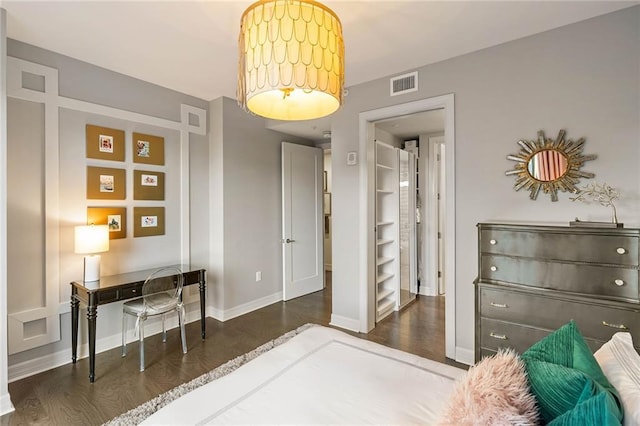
593, 411
563, 373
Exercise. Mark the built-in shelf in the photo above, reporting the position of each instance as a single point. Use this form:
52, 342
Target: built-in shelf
385, 307
384, 276
384, 293
385, 260
383, 242
382, 166
387, 201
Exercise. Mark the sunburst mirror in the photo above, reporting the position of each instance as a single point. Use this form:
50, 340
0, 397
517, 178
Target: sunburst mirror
549, 165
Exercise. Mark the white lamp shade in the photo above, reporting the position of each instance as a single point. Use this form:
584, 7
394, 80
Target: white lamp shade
291, 63
91, 239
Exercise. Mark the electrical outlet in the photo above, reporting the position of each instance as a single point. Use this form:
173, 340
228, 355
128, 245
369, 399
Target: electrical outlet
258, 276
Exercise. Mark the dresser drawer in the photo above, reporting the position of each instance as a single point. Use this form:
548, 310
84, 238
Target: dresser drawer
107, 296
499, 334
191, 277
607, 281
595, 321
130, 292
577, 245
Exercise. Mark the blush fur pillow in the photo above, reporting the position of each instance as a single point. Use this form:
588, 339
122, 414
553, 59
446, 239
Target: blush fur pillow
494, 392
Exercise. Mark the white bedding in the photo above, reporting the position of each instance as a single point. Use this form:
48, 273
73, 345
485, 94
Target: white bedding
321, 376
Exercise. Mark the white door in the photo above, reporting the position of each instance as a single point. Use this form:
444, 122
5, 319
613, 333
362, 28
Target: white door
302, 220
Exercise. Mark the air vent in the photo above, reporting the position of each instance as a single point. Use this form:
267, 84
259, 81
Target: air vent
404, 83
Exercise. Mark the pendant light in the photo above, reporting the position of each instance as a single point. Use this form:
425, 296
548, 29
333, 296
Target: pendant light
291, 60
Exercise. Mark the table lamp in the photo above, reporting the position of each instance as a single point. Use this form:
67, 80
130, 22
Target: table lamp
89, 240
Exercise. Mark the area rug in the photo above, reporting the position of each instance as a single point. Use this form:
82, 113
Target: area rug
138, 414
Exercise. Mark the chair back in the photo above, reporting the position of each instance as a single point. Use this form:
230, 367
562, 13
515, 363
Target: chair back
161, 291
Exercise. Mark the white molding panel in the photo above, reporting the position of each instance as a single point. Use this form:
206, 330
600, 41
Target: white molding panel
192, 120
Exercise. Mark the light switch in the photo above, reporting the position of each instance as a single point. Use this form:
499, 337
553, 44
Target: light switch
352, 158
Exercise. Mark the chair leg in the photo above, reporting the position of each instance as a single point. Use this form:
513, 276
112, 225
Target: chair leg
124, 334
164, 331
141, 332
183, 335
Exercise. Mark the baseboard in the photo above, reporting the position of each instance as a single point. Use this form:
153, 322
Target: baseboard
465, 356
426, 290
227, 314
6, 406
346, 323
38, 365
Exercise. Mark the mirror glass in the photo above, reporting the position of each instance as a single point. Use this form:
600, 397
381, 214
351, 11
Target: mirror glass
547, 165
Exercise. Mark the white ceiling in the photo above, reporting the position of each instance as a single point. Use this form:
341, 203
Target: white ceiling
191, 47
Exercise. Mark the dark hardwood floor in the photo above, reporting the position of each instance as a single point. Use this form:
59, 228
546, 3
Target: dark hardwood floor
64, 396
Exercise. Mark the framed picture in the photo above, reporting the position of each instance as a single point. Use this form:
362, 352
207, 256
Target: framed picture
148, 221
324, 181
327, 203
148, 149
115, 217
104, 143
104, 183
148, 185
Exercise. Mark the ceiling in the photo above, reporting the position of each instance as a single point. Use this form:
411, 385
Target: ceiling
191, 47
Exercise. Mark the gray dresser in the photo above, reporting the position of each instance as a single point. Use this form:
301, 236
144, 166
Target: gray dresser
533, 279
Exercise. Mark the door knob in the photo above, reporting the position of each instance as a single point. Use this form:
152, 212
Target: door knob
289, 241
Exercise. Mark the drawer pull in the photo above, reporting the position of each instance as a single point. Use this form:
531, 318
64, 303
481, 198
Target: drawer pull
498, 336
493, 242
494, 268
621, 250
498, 305
619, 282
616, 326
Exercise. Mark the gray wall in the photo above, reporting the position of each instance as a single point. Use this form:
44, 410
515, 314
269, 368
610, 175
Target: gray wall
78, 80
250, 202
584, 78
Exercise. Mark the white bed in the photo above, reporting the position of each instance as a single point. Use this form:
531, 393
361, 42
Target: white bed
321, 376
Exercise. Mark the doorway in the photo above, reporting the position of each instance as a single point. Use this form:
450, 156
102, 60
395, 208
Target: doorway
367, 206
326, 185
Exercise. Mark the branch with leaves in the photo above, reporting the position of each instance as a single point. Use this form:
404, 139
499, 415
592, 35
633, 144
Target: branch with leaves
602, 194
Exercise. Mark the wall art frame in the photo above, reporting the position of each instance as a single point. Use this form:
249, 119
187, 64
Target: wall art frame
105, 183
148, 221
148, 185
148, 149
115, 217
103, 143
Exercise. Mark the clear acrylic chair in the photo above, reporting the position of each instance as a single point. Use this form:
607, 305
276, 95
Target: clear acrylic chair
161, 294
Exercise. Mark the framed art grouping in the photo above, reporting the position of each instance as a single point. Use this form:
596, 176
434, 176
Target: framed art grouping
148, 221
104, 183
115, 217
148, 149
104, 143
148, 185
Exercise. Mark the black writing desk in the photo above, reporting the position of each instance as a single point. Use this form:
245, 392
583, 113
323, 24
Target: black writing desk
116, 288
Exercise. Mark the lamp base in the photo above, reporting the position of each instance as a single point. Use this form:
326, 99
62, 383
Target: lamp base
92, 268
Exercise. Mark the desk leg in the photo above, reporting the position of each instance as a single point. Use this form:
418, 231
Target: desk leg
202, 286
92, 314
75, 308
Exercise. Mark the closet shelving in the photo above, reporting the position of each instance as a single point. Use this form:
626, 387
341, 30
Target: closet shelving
387, 260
